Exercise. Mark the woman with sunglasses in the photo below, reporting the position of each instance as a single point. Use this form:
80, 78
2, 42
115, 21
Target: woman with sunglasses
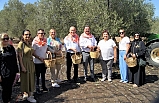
27, 72
123, 50
55, 45
8, 67
137, 50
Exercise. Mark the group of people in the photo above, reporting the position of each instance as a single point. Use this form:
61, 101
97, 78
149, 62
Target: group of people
32, 53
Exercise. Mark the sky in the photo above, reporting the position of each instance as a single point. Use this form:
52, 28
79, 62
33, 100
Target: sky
155, 2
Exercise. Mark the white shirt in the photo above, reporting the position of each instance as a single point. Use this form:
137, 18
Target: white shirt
84, 42
70, 44
39, 51
123, 42
106, 47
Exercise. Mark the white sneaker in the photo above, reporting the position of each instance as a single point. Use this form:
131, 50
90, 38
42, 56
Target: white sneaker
58, 80
55, 85
103, 79
110, 80
31, 99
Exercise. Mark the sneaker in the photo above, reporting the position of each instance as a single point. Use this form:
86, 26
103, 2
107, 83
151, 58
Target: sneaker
103, 79
55, 85
110, 80
125, 81
121, 81
135, 85
31, 99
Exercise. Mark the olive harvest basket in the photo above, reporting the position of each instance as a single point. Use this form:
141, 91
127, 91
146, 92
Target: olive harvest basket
50, 62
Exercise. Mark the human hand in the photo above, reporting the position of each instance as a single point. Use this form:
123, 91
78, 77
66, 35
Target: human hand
133, 55
24, 70
124, 57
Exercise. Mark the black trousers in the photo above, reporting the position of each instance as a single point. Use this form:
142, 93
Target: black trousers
40, 69
7, 84
69, 65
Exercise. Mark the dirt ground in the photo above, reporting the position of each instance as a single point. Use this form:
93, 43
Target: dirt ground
97, 92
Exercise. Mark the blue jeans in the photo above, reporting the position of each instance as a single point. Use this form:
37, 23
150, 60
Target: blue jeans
123, 66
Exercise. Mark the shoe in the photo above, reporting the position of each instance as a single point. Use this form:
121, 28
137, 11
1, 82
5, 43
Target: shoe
135, 85
121, 81
103, 79
45, 90
110, 80
31, 99
85, 78
38, 92
55, 85
58, 80
130, 82
125, 81
25, 95
93, 80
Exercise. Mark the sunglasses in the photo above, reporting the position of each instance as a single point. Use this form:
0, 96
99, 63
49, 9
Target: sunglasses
27, 34
121, 32
136, 35
5, 39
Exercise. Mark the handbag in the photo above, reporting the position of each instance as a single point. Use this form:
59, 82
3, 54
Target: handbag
142, 62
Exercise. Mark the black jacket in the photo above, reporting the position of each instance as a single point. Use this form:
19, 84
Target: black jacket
8, 61
138, 48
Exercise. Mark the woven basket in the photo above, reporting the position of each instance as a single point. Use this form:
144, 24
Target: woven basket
131, 62
94, 54
76, 59
50, 62
60, 60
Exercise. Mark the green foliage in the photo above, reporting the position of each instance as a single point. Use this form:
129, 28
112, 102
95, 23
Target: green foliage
132, 15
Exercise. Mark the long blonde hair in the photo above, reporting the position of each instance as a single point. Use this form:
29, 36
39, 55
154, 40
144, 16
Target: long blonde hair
1, 37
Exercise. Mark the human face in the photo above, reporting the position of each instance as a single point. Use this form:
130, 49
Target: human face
26, 35
122, 33
52, 33
5, 40
40, 34
87, 30
136, 36
105, 36
72, 30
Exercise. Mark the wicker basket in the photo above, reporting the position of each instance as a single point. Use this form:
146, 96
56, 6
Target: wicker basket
131, 62
50, 62
94, 54
76, 59
60, 60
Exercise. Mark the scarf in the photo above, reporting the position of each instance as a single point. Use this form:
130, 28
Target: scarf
87, 36
74, 38
39, 42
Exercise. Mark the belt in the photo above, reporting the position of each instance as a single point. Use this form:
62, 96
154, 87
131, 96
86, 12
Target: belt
122, 50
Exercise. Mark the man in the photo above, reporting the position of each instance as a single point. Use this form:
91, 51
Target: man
40, 46
71, 42
87, 44
123, 51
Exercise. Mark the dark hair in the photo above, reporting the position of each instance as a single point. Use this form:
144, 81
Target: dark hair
25, 31
105, 31
40, 30
21, 37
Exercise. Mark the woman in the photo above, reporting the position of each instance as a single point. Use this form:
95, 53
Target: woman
71, 42
137, 50
27, 73
123, 51
54, 43
8, 67
108, 54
